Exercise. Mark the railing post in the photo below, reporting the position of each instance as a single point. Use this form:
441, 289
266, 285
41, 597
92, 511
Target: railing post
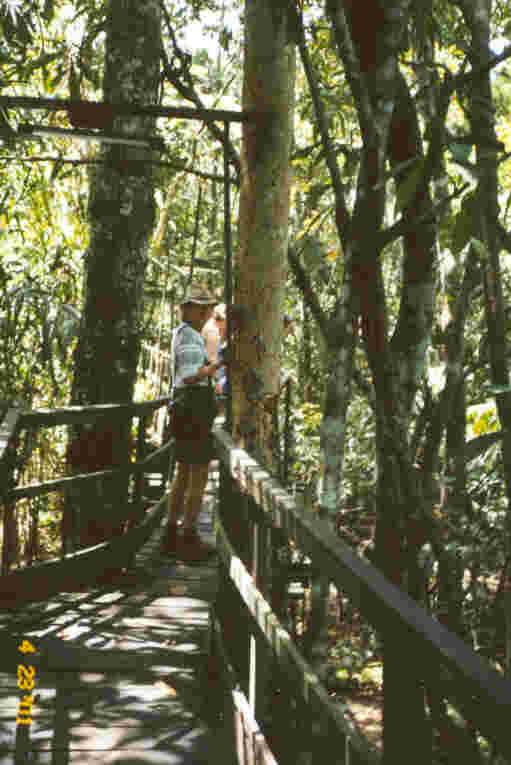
9, 540
253, 661
9, 443
227, 269
259, 659
33, 534
262, 576
316, 650
72, 541
140, 454
222, 597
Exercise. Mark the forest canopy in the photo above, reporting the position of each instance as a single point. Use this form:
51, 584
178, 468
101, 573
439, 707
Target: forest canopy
396, 276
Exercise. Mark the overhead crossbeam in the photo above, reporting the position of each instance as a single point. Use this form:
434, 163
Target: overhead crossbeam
106, 111
29, 131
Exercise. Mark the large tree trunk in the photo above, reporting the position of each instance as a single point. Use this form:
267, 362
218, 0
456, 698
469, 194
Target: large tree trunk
121, 216
477, 14
368, 36
268, 88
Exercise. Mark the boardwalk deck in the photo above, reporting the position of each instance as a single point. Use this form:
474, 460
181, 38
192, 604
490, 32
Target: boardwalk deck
121, 673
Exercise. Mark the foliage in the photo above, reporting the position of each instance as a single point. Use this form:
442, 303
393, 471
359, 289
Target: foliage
49, 47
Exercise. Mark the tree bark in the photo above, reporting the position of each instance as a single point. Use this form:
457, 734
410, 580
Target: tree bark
121, 218
368, 37
477, 14
268, 88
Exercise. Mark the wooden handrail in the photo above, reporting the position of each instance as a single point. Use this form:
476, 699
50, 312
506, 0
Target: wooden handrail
474, 683
313, 692
38, 489
75, 415
16, 420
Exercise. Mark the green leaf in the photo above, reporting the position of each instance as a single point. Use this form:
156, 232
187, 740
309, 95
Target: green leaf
460, 151
342, 676
407, 189
479, 247
49, 7
499, 389
462, 231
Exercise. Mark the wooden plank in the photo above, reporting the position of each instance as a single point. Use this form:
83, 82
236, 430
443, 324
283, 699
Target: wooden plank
147, 713
118, 757
306, 682
36, 489
8, 428
381, 603
182, 731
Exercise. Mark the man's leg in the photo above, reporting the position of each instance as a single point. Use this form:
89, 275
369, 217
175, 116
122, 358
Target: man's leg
194, 550
195, 491
178, 491
175, 505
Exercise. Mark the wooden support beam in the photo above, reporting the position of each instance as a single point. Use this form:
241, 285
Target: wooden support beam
117, 110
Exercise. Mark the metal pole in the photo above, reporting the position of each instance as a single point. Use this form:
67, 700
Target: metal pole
227, 272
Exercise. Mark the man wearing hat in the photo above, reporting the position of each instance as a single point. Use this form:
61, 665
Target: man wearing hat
194, 402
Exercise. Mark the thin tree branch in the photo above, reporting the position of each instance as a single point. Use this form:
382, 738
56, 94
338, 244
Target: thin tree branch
450, 84
443, 407
170, 165
304, 285
364, 387
328, 146
187, 90
404, 224
195, 238
347, 52
504, 236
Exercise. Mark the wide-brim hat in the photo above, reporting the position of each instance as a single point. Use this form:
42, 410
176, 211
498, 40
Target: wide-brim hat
199, 297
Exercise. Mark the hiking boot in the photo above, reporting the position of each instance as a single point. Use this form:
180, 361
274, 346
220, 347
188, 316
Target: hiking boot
169, 542
193, 549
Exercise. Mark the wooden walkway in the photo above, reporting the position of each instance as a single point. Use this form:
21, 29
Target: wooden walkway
120, 674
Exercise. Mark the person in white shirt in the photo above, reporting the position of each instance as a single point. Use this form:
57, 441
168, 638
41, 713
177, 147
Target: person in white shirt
195, 409
211, 336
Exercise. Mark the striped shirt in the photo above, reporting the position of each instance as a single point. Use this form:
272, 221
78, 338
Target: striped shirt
187, 355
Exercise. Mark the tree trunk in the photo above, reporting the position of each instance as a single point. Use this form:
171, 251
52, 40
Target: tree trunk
477, 14
121, 217
368, 37
268, 89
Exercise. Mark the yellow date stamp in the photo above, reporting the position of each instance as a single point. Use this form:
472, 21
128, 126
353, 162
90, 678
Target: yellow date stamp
26, 682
